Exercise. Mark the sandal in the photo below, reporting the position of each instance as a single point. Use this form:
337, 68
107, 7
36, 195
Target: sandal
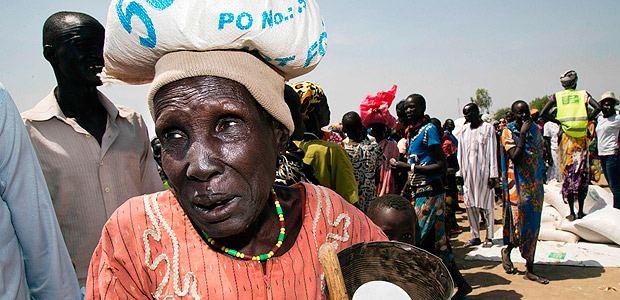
474, 242
456, 231
487, 244
535, 278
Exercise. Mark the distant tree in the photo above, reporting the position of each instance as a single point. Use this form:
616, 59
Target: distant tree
539, 102
483, 100
501, 113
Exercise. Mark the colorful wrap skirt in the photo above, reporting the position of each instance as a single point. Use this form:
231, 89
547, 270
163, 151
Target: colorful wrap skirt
574, 165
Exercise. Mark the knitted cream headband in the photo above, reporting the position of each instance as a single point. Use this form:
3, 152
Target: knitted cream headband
263, 83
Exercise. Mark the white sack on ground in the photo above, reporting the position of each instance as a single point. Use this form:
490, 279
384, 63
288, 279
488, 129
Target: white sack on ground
550, 215
548, 232
605, 221
596, 199
584, 233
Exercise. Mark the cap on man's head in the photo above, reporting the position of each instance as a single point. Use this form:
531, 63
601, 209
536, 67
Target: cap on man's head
611, 96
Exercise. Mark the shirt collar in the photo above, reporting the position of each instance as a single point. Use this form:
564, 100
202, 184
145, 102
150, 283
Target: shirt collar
49, 108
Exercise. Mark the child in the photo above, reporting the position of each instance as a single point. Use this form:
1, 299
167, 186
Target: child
395, 216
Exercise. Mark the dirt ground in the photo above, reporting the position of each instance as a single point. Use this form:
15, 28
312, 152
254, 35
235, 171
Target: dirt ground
489, 280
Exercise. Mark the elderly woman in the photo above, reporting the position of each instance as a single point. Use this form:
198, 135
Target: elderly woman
224, 229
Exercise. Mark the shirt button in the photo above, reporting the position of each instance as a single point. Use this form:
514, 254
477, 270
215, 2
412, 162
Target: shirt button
107, 190
87, 135
101, 163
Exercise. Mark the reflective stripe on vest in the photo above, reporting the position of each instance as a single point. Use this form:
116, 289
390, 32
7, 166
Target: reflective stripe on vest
572, 112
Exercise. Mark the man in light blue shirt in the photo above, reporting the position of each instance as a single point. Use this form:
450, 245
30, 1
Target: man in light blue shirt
34, 261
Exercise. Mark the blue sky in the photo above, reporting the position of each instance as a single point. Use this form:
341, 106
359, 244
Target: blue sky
443, 50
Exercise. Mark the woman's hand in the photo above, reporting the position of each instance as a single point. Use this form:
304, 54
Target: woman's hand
525, 128
399, 165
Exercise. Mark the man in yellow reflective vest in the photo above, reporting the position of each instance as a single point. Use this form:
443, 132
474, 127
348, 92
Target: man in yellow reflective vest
572, 116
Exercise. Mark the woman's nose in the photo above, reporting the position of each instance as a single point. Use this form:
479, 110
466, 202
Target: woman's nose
203, 162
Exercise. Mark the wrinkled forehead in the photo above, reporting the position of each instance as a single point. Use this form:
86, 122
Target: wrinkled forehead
181, 93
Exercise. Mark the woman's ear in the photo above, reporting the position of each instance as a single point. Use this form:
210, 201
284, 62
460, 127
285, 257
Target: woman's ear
281, 136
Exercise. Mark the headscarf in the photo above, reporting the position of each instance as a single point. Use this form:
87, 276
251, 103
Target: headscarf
337, 128
375, 109
569, 79
262, 82
310, 95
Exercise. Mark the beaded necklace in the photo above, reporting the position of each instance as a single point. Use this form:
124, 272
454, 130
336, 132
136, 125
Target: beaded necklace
261, 257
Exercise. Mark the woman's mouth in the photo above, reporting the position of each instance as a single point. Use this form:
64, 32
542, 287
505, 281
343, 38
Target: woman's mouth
214, 208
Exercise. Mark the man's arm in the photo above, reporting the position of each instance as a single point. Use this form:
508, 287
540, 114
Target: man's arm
49, 272
492, 153
595, 106
544, 113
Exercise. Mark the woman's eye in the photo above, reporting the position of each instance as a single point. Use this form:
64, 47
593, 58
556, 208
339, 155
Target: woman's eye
225, 124
173, 135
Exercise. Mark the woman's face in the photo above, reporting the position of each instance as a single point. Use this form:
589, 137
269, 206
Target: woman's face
219, 151
449, 125
521, 112
608, 107
414, 110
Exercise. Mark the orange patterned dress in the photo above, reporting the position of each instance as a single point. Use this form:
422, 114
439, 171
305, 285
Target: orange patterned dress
523, 190
150, 250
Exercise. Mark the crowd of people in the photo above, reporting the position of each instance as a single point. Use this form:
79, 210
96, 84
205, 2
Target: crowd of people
245, 180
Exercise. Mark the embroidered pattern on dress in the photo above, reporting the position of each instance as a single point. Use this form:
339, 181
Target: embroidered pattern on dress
152, 209
345, 230
345, 236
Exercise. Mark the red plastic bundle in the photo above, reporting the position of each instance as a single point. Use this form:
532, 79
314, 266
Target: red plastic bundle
375, 109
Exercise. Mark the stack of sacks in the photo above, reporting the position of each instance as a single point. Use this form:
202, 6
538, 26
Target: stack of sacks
548, 231
599, 225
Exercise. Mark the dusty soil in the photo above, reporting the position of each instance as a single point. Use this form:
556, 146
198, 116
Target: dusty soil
566, 282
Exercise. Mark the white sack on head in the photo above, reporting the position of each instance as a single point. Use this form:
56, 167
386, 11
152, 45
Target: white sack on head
288, 34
